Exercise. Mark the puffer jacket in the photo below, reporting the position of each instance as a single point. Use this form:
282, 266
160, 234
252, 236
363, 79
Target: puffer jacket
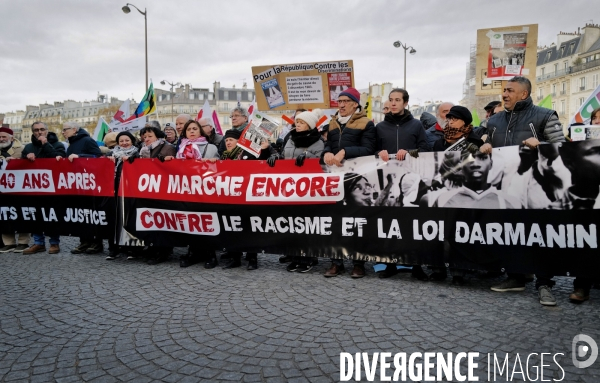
51, 149
83, 145
524, 121
403, 131
357, 137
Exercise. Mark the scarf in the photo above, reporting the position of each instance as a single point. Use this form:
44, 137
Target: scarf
145, 152
188, 149
450, 133
118, 152
232, 154
305, 139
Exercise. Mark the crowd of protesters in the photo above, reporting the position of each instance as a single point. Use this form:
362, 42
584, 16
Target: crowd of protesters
349, 134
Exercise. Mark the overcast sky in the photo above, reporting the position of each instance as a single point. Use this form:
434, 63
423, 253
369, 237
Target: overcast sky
52, 50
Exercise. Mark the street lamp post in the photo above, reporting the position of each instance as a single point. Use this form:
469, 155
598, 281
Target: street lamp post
164, 82
126, 9
398, 44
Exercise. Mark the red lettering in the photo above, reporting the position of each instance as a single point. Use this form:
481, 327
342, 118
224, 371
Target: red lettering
45, 181
145, 214
159, 220
171, 220
194, 222
302, 186
207, 222
36, 181
316, 186
180, 218
259, 183
331, 183
26, 182
285, 191
273, 186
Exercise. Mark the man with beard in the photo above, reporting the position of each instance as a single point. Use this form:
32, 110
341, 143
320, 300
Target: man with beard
350, 134
522, 122
44, 144
179, 124
436, 132
11, 148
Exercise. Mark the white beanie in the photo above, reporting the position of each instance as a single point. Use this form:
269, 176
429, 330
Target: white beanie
311, 118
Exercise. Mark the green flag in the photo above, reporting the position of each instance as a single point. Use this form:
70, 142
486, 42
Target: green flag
546, 102
101, 130
476, 121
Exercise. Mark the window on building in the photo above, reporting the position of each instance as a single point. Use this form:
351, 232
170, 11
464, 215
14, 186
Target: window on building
239, 95
211, 96
192, 96
564, 87
562, 51
200, 96
580, 101
566, 65
555, 69
225, 95
563, 108
540, 92
226, 106
553, 106
543, 71
594, 81
582, 83
553, 89
226, 120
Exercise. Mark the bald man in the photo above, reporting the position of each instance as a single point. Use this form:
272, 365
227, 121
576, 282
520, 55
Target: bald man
437, 131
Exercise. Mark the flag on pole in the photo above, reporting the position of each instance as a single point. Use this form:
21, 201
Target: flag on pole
124, 112
207, 112
584, 113
101, 130
215, 117
147, 105
476, 121
546, 102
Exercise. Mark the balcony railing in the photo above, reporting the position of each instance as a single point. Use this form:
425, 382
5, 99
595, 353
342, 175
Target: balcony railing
582, 87
563, 92
539, 97
550, 75
584, 66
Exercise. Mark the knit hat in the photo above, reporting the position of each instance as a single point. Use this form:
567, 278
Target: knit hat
461, 113
110, 139
232, 133
311, 118
5, 129
352, 93
131, 137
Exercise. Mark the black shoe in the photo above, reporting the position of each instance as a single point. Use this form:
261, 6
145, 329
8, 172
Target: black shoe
304, 268
252, 264
438, 276
94, 248
285, 259
418, 273
390, 271
292, 267
187, 261
81, 248
233, 263
112, 254
211, 264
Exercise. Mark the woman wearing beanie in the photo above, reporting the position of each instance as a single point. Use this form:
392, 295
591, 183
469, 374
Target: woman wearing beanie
234, 152
124, 151
458, 126
304, 142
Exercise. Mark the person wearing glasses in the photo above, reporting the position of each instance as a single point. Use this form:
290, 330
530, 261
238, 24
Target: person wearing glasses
170, 133
44, 144
239, 122
84, 146
350, 134
208, 128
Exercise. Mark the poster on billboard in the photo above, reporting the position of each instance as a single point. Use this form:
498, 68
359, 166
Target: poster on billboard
303, 85
503, 53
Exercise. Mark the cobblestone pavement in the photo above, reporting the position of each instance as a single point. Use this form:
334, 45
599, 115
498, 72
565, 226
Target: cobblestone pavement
68, 318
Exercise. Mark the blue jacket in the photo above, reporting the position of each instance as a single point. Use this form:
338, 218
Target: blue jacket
83, 145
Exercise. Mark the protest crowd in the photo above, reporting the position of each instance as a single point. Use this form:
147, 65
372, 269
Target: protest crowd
348, 135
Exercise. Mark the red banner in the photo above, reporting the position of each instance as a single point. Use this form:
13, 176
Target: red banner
231, 182
83, 176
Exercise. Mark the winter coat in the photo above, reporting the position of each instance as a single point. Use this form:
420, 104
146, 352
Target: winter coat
51, 149
357, 137
428, 120
403, 131
512, 127
215, 139
433, 134
441, 144
163, 150
83, 145
313, 150
13, 151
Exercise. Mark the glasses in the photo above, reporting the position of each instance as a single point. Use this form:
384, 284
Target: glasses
204, 126
39, 130
235, 116
65, 129
341, 102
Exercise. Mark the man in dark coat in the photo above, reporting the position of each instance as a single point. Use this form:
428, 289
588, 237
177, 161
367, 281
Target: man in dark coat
523, 123
351, 134
44, 144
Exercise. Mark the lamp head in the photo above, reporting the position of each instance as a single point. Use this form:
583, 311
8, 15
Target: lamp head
397, 44
412, 51
126, 9
162, 82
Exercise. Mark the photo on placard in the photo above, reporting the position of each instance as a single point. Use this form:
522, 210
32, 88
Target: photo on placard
273, 94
